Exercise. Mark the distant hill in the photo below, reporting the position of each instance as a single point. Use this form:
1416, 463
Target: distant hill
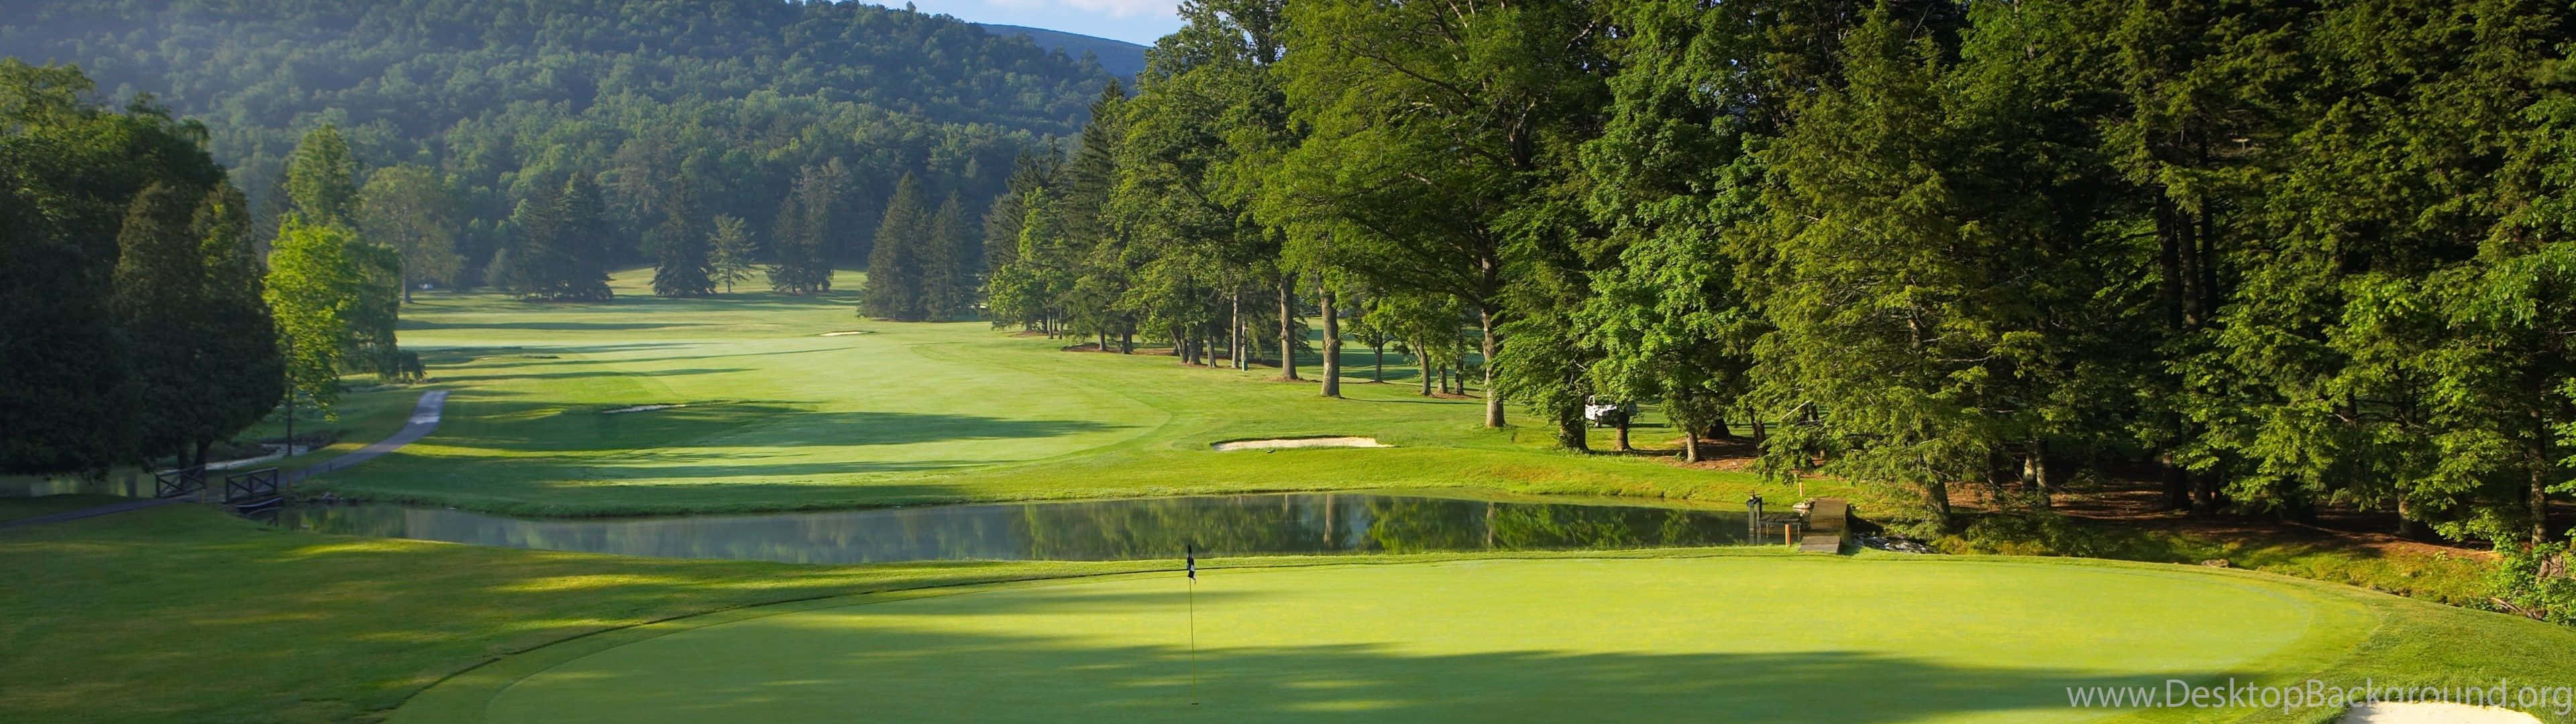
1116, 56
676, 108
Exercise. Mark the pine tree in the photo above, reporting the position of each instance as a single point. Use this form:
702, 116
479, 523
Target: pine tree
730, 250
950, 268
237, 346
680, 248
587, 244
157, 302
322, 178
896, 263
807, 222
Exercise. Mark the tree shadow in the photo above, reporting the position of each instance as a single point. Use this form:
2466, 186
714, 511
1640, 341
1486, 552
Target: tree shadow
592, 373
526, 426
914, 662
413, 324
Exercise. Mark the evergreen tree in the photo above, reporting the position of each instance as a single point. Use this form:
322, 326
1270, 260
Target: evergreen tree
586, 241
897, 264
951, 268
158, 305
242, 375
535, 255
322, 178
680, 248
730, 252
807, 222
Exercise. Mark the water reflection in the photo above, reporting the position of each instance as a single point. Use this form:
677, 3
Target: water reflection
1090, 530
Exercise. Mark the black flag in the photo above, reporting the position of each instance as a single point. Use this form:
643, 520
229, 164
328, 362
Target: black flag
1190, 561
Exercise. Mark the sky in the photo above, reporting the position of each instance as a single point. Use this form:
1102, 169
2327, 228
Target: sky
1134, 21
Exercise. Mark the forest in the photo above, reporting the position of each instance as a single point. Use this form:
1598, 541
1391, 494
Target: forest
2276, 255
663, 104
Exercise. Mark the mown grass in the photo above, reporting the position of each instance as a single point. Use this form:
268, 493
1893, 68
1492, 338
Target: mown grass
773, 415
183, 614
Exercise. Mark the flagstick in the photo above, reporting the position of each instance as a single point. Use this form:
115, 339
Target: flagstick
1194, 640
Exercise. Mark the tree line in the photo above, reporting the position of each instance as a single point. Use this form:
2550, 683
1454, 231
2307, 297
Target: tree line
2278, 255
135, 325
674, 111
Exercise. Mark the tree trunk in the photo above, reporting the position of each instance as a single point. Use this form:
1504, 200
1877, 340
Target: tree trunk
2405, 518
1493, 400
405, 281
1759, 431
1572, 431
2034, 472
1623, 435
1127, 341
1234, 334
1287, 326
1936, 496
1377, 356
1423, 360
1332, 344
1721, 430
1690, 445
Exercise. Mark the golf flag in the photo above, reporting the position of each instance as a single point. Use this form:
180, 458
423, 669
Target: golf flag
1190, 561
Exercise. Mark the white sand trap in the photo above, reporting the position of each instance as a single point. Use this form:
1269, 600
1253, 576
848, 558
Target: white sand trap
1287, 442
843, 334
2388, 712
638, 408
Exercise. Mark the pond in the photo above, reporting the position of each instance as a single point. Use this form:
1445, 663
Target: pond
1221, 525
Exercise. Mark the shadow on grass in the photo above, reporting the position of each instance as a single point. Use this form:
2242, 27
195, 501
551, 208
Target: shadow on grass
592, 373
878, 660
522, 426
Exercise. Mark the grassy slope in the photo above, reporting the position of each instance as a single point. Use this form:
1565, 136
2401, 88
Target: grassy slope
183, 614
2430, 572
778, 417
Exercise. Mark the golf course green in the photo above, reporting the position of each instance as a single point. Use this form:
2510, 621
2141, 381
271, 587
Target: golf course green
1720, 638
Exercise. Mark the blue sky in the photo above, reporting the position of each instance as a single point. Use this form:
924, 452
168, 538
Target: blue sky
1134, 21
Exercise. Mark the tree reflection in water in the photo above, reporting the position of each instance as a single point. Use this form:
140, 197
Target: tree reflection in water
1294, 523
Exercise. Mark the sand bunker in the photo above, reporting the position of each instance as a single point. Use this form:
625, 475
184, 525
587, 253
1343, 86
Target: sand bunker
2432, 713
638, 408
843, 334
1287, 442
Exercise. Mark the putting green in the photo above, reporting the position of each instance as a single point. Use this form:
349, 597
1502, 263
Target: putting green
1727, 638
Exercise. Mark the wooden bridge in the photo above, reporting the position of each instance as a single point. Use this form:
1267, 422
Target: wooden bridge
1827, 523
245, 491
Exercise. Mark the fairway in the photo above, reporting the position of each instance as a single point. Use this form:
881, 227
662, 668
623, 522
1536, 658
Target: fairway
781, 402
1719, 638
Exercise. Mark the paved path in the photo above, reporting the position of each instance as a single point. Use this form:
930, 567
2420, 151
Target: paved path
424, 419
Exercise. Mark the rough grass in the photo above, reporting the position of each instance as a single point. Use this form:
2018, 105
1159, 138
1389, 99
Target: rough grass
182, 614
2433, 573
777, 416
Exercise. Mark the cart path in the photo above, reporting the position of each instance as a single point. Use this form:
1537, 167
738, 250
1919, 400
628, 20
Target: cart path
424, 419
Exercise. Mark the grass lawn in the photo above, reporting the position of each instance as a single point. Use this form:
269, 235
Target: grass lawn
773, 414
184, 614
